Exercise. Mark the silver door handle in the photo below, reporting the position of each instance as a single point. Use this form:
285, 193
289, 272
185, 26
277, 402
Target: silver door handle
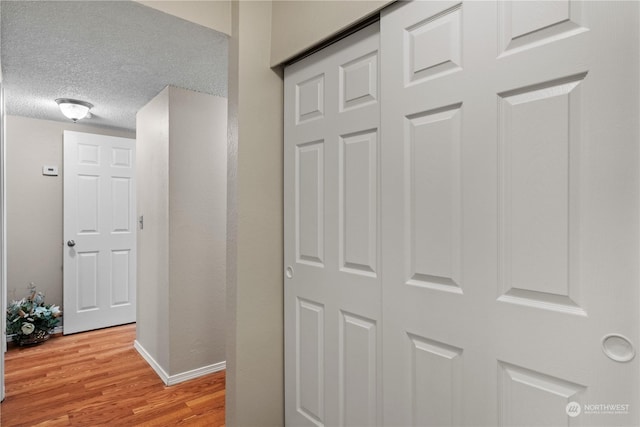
71, 243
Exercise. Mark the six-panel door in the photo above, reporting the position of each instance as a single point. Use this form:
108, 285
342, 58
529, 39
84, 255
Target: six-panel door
509, 145
332, 293
99, 220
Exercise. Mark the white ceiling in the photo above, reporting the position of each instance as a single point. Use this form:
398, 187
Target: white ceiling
116, 55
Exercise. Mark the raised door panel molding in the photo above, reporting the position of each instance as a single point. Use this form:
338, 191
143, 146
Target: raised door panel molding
358, 203
433, 199
527, 397
310, 99
310, 361
309, 212
539, 146
436, 382
358, 402
527, 24
359, 82
433, 46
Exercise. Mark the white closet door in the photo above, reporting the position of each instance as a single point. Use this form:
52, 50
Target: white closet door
510, 213
332, 263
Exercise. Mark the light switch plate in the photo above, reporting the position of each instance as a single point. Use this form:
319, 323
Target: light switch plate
50, 170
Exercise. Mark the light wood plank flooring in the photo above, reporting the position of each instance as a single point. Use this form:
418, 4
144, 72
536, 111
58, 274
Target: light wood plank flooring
98, 379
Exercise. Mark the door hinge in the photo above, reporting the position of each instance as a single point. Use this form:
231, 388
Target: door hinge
141, 222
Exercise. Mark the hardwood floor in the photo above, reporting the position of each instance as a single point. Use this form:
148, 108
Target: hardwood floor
98, 379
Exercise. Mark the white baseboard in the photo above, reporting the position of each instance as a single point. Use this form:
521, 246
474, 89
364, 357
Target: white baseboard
181, 377
198, 372
152, 362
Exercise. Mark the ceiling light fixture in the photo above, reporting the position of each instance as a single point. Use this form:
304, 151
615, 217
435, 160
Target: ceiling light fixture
74, 109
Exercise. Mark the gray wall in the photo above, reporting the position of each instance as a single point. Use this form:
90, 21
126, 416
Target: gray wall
299, 25
212, 14
197, 228
152, 193
3, 267
255, 251
181, 250
263, 33
34, 204
255, 242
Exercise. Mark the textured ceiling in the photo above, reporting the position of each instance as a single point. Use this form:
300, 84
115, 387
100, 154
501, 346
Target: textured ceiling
116, 55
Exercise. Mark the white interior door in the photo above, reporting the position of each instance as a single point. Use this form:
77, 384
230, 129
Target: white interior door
510, 213
99, 231
332, 293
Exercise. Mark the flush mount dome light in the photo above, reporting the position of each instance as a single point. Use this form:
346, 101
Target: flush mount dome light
74, 109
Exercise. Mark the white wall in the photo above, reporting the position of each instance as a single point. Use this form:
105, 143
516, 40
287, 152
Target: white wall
34, 203
181, 250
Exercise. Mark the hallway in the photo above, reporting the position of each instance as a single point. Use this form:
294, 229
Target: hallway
98, 378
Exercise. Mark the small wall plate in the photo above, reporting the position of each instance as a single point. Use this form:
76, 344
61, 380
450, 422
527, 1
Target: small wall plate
50, 170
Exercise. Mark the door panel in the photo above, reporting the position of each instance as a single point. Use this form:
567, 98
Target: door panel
309, 177
332, 293
357, 371
358, 203
432, 191
527, 397
436, 372
539, 146
310, 371
121, 197
507, 133
87, 269
99, 216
